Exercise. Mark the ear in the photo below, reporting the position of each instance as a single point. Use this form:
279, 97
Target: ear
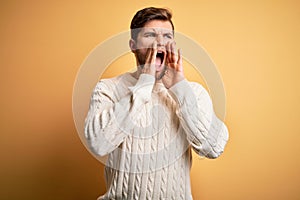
132, 45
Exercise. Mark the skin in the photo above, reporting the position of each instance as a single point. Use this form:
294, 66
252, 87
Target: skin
157, 36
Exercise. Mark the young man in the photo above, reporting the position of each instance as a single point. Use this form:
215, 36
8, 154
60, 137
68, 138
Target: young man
148, 121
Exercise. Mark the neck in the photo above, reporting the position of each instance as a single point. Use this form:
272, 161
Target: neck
137, 74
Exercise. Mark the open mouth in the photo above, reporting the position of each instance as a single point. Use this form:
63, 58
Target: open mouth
159, 58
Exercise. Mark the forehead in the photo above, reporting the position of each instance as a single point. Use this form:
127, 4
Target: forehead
158, 25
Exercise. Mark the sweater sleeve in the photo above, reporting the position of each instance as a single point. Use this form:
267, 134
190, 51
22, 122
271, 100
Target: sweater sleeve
108, 121
206, 133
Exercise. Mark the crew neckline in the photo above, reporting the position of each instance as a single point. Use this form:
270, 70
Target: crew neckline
156, 85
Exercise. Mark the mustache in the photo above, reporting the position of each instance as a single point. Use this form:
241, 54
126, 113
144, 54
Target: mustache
141, 57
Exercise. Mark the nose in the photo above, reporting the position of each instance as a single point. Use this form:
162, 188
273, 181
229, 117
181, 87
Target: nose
160, 40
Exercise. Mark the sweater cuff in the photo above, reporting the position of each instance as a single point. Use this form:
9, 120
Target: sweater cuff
182, 91
143, 87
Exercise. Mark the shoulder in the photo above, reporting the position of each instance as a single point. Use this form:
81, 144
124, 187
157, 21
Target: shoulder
112, 83
115, 87
201, 93
197, 87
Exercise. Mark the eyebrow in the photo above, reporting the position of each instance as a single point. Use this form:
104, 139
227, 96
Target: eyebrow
154, 30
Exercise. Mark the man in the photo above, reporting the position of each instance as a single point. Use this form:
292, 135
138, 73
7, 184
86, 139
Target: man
148, 121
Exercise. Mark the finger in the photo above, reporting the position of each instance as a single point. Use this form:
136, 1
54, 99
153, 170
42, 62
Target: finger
154, 52
169, 56
149, 55
165, 57
173, 53
179, 62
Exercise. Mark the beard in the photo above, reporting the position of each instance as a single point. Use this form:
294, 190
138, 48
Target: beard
141, 58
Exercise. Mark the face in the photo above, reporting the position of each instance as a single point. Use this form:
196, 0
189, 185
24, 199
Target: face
155, 30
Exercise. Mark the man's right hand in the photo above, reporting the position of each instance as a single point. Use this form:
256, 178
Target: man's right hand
149, 67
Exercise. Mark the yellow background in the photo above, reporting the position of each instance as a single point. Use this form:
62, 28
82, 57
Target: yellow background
255, 45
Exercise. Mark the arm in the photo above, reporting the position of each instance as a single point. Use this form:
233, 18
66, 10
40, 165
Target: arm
109, 122
207, 134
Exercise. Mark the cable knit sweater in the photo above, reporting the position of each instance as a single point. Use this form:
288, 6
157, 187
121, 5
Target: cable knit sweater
147, 133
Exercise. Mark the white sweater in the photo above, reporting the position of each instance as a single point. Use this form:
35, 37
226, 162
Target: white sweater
148, 132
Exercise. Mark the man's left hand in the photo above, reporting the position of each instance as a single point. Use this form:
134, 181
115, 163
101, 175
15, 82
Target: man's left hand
174, 68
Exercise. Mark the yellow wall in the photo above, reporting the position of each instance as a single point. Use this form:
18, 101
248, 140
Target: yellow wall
255, 45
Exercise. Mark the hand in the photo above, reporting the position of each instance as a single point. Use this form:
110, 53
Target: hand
174, 68
149, 67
